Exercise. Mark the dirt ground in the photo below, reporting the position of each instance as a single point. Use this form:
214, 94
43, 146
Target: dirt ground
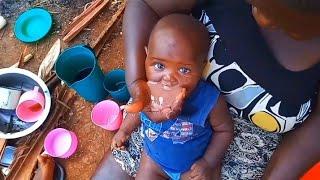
94, 141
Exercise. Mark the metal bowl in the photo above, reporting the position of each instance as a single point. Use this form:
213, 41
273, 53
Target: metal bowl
25, 80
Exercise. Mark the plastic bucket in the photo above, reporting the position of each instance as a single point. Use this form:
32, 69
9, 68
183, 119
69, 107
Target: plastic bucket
77, 66
114, 82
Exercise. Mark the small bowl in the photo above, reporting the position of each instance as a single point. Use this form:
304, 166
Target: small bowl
30, 106
33, 25
60, 143
107, 114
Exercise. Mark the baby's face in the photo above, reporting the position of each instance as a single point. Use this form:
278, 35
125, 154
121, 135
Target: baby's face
173, 62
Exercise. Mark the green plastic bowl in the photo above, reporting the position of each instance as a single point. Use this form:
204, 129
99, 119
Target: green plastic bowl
33, 25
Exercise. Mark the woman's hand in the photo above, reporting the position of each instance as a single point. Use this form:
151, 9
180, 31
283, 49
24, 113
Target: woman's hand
155, 113
177, 104
140, 93
119, 140
46, 165
158, 113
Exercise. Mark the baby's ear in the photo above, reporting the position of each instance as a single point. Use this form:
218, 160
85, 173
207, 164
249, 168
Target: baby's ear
146, 50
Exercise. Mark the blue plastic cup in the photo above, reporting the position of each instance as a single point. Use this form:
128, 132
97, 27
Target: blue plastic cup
78, 67
114, 82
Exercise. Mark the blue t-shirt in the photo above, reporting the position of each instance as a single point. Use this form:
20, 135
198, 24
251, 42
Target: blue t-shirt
177, 143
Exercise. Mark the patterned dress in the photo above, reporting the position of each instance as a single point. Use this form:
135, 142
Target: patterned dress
265, 99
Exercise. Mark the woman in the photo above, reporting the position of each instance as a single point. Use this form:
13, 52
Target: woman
264, 57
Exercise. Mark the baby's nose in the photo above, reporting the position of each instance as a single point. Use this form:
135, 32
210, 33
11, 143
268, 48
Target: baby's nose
170, 80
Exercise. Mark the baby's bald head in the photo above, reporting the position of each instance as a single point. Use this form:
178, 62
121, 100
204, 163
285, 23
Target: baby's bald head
180, 35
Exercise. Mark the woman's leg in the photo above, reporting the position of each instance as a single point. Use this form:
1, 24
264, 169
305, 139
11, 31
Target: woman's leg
149, 169
249, 153
110, 169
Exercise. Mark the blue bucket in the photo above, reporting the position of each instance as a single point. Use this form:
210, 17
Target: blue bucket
78, 67
115, 84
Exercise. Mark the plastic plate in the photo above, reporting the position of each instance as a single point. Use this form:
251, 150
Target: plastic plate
33, 25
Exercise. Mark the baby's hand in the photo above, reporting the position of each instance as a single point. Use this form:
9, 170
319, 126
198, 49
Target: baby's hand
201, 170
140, 93
119, 140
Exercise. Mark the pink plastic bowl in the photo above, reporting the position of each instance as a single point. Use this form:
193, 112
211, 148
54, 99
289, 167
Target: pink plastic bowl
107, 114
60, 143
31, 105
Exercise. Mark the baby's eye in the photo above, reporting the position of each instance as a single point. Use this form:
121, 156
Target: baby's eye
184, 70
159, 66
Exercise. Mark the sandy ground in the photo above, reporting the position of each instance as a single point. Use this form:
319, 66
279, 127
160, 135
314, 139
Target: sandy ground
94, 141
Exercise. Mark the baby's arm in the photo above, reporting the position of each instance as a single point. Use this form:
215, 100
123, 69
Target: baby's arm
222, 125
131, 122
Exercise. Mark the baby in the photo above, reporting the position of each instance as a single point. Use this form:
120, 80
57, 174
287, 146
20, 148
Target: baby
186, 128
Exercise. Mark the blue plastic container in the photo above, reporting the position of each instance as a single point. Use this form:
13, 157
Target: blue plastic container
79, 69
114, 82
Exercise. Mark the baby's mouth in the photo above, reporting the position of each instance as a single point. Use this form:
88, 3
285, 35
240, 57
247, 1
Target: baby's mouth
166, 87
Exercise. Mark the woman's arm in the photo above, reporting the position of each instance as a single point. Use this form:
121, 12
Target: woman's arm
139, 18
298, 151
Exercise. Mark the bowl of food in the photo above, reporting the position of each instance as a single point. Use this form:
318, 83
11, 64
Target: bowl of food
11, 126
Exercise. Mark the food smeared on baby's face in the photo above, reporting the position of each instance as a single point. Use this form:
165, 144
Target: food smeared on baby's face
176, 53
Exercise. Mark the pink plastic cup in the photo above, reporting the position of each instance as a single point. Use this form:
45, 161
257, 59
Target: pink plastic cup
107, 114
61, 143
30, 106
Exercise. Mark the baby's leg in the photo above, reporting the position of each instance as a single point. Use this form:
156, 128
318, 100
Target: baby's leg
216, 174
149, 169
